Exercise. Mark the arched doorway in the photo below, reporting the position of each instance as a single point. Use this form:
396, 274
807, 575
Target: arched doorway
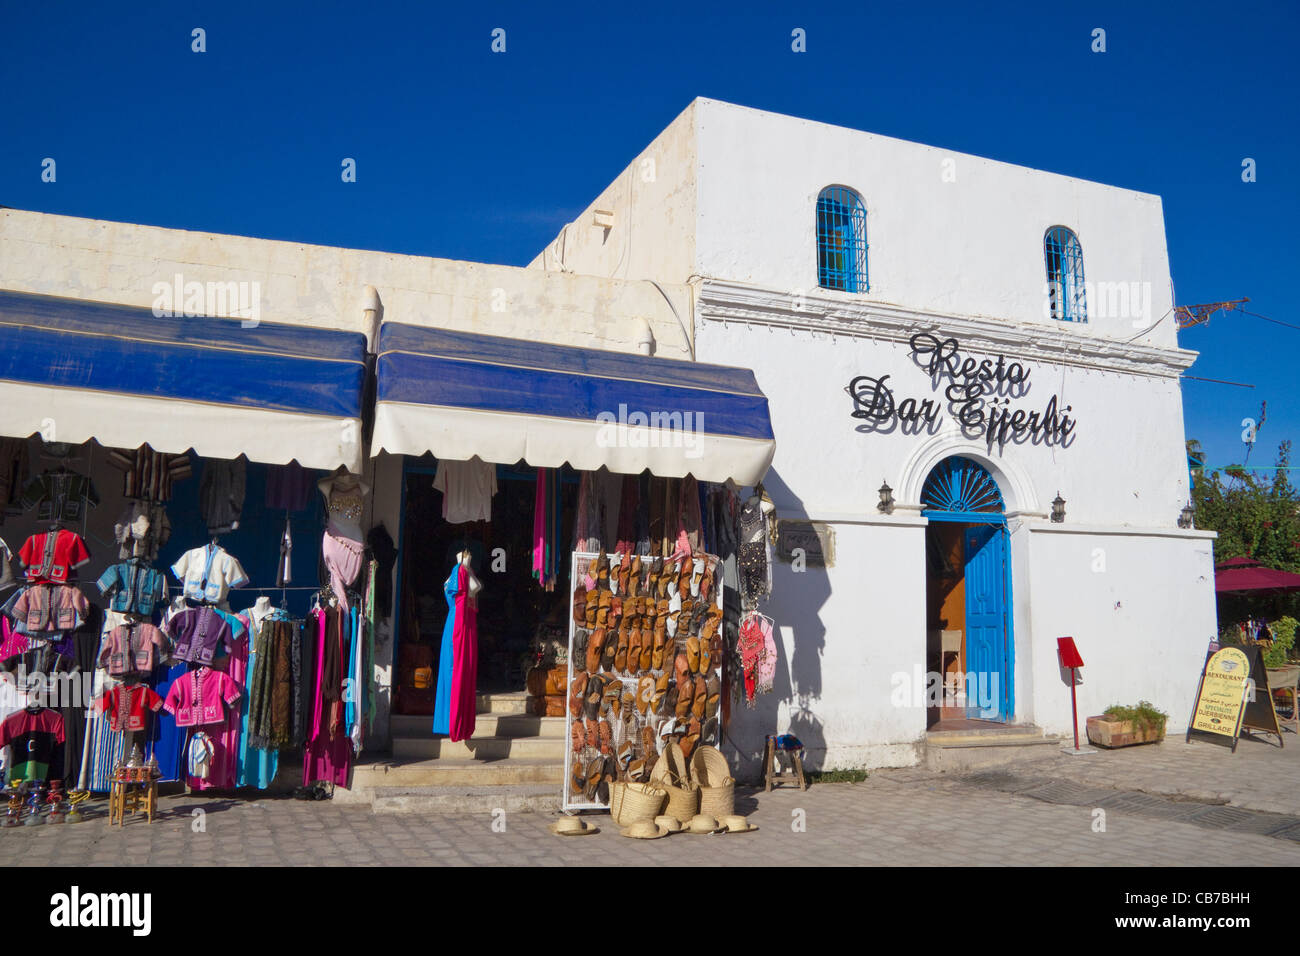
968, 592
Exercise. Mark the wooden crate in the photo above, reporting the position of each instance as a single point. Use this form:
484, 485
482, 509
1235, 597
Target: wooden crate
1107, 732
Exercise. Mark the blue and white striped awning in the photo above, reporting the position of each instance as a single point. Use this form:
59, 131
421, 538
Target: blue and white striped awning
460, 395
73, 370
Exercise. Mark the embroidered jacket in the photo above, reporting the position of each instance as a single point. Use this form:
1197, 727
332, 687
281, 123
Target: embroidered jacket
60, 495
127, 706
56, 607
148, 474
196, 698
135, 589
196, 632
52, 555
208, 573
130, 648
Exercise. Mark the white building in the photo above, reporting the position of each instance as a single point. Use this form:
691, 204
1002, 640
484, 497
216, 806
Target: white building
815, 254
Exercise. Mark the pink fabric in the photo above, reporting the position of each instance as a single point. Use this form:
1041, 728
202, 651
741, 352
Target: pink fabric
343, 559
324, 758
539, 526
464, 675
215, 689
223, 770
13, 642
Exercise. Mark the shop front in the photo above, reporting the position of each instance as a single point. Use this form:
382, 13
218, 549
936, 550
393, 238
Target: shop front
189, 492
581, 496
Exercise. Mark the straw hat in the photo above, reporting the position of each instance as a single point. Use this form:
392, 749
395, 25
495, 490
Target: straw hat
702, 824
737, 824
572, 826
671, 824
644, 830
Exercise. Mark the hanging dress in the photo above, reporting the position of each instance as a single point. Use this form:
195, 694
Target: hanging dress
464, 678
256, 768
442, 697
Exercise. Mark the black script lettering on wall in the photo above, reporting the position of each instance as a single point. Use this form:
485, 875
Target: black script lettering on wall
979, 394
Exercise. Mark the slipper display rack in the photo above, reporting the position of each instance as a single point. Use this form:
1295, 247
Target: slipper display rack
640, 694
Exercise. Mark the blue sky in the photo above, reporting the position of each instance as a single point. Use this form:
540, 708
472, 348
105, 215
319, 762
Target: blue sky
466, 154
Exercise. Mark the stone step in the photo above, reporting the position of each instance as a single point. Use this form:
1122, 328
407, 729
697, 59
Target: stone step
509, 703
970, 749
521, 798
454, 772
478, 747
485, 725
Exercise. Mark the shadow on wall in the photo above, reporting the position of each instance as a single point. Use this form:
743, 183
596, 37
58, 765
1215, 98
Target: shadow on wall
800, 636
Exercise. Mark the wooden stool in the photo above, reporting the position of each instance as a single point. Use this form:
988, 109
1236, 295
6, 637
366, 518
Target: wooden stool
769, 762
134, 796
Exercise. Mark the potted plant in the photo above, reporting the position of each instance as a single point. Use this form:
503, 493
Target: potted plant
1123, 726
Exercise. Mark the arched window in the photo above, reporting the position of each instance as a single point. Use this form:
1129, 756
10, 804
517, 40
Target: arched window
960, 487
1065, 288
841, 240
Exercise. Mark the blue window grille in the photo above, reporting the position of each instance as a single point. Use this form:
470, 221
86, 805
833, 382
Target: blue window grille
841, 240
959, 489
1065, 286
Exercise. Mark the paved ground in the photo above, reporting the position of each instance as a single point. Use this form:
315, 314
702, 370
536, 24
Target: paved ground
1157, 803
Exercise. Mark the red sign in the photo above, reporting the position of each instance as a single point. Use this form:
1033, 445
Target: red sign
1069, 653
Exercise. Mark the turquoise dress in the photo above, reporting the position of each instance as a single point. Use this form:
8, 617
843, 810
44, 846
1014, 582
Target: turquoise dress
442, 699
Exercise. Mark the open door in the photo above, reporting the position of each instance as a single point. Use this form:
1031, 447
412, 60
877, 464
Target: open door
988, 694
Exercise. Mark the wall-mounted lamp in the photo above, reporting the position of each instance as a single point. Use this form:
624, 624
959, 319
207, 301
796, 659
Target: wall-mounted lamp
1058, 509
886, 505
1186, 516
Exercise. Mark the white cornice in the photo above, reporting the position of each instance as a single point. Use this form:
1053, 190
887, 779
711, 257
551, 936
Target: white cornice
1057, 344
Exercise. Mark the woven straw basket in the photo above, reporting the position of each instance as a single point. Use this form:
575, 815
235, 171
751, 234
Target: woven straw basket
717, 787
630, 803
672, 775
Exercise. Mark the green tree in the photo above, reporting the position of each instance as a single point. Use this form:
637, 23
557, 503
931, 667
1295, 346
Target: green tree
1257, 515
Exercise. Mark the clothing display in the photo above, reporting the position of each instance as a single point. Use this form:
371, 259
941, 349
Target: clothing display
754, 553
52, 556
49, 607
446, 656
141, 529
274, 696
208, 573
328, 752
147, 474
128, 706
195, 634
547, 509
60, 495
132, 648
385, 552
464, 676
467, 488
201, 697
256, 766
14, 463
6, 569
221, 494
342, 557
35, 740
345, 500
283, 567
288, 487
758, 656
133, 588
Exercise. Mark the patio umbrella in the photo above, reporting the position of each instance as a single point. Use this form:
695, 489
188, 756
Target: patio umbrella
1248, 576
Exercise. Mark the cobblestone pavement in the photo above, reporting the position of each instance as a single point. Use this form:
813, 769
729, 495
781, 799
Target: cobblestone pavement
1037, 812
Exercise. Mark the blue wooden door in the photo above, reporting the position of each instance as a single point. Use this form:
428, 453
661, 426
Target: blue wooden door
989, 684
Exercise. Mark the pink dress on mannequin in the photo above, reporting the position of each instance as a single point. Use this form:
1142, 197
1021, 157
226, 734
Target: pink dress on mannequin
464, 676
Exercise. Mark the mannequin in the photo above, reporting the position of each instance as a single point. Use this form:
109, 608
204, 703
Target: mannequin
344, 495
342, 547
455, 701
